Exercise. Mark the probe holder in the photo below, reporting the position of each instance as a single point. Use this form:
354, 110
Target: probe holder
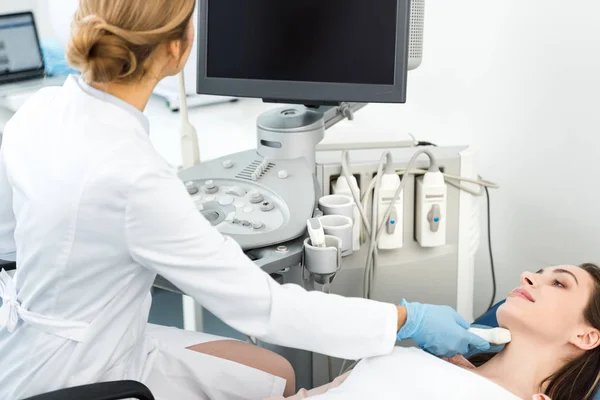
323, 262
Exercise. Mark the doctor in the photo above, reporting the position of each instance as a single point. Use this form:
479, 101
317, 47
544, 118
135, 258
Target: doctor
92, 213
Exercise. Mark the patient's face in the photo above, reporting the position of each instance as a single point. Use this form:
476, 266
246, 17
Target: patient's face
548, 304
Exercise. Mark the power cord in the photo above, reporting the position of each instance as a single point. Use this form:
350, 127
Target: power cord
489, 229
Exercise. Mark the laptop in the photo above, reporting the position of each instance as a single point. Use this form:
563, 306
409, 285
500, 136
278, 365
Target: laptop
22, 68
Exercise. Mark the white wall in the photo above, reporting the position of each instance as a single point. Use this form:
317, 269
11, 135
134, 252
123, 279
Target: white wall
39, 7
520, 80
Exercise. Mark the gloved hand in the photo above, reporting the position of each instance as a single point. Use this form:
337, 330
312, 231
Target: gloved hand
440, 330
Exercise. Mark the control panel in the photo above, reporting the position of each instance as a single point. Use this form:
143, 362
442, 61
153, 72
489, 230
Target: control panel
238, 208
259, 202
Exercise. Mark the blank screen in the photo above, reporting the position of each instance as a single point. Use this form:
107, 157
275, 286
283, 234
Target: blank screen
327, 41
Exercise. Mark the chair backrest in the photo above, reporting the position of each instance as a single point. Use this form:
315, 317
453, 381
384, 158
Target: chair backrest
101, 391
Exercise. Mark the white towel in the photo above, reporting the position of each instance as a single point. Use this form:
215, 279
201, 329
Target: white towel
411, 374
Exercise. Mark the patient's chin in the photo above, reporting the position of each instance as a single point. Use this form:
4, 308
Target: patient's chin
510, 316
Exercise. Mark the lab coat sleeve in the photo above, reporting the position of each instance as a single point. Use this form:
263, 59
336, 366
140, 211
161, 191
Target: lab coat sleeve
7, 216
168, 235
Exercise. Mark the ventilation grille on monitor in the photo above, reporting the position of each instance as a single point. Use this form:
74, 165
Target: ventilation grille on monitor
255, 170
417, 23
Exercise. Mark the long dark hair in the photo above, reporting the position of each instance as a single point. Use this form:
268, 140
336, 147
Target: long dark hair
579, 378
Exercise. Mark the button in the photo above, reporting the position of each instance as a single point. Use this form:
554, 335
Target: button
246, 223
239, 204
257, 226
267, 206
210, 187
248, 210
434, 217
391, 227
226, 200
255, 197
227, 164
237, 191
191, 187
283, 174
235, 221
210, 197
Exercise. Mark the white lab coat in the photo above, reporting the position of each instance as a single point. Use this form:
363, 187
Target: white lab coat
93, 213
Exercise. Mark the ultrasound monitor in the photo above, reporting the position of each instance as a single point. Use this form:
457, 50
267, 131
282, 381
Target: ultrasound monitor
312, 52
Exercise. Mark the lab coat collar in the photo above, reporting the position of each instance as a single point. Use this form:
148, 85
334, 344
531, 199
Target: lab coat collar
108, 98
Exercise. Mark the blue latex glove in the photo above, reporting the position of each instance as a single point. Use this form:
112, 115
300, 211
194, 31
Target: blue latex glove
439, 330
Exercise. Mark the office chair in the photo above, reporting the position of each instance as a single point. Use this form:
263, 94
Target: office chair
8, 266
100, 391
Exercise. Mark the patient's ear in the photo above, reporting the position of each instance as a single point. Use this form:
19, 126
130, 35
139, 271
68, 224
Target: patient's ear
586, 339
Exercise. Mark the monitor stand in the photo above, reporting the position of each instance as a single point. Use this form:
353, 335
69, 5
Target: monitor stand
295, 131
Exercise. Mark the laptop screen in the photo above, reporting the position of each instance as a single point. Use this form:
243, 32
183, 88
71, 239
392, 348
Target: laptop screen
20, 53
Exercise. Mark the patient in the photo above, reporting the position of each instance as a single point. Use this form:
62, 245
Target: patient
554, 319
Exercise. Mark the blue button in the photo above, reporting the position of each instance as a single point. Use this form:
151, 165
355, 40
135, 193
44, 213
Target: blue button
392, 222
436, 219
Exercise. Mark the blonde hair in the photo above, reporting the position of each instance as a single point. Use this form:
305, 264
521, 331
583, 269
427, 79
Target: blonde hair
113, 40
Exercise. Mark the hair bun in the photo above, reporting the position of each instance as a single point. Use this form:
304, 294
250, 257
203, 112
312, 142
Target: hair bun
98, 53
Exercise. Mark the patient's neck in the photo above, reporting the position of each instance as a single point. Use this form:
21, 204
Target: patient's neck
524, 364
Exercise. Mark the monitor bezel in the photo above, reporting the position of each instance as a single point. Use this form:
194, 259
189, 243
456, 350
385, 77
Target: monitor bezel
26, 74
313, 93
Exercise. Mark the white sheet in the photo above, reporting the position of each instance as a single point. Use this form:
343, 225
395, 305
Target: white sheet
410, 374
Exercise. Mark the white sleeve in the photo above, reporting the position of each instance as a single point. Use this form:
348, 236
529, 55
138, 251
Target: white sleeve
168, 235
7, 217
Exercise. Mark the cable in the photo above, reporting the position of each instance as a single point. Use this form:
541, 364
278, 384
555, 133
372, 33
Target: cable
482, 183
348, 176
371, 256
487, 194
374, 233
342, 368
421, 144
354, 364
432, 168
